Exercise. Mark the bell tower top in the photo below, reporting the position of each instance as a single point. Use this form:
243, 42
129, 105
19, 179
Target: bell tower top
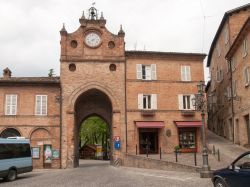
92, 17
93, 13
92, 41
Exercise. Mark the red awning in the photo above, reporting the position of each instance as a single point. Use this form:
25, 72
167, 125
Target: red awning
149, 124
188, 123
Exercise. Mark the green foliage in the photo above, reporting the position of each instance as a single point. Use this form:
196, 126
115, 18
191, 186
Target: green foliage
177, 148
51, 73
94, 130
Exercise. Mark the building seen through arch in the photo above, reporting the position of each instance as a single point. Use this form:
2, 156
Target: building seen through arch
143, 96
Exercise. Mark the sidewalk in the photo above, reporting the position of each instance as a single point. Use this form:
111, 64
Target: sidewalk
228, 153
228, 150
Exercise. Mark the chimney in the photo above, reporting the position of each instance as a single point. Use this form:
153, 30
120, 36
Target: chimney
6, 73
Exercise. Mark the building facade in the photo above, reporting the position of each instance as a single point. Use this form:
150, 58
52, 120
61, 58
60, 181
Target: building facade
227, 90
144, 96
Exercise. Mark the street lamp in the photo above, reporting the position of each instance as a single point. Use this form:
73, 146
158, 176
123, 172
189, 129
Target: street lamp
199, 103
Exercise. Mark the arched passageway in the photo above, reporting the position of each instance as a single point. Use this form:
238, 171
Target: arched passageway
93, 105
94, 140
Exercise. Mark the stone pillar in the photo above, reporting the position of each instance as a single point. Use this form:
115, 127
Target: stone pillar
71, 139
116, 131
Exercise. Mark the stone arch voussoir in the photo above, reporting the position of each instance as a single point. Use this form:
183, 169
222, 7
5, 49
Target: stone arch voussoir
93, 85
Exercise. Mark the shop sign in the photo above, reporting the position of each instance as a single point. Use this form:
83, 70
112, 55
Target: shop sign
98, 150
35, 152
39, 143
117, 138
47, 154
117, 145
55, 154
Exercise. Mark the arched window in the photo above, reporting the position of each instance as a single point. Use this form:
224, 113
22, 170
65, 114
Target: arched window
10, 132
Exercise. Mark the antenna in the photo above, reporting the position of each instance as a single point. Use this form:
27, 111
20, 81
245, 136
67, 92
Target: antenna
135, 46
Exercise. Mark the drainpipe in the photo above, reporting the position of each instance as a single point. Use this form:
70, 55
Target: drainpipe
231, 78
232, 95
60, 125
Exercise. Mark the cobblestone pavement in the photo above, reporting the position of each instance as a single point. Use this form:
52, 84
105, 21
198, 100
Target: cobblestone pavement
228, 153
228, 150
103, 175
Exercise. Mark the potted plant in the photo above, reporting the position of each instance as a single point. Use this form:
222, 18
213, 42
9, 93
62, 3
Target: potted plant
177, 149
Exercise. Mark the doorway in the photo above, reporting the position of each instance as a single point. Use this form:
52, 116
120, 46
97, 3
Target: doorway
148, 141
247, 127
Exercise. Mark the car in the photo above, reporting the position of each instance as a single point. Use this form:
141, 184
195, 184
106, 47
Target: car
15, 157
235, 175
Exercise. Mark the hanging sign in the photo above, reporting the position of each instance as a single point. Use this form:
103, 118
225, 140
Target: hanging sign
117, 138
117, 145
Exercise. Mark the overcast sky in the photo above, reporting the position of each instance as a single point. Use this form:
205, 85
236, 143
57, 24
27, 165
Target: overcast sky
29, 29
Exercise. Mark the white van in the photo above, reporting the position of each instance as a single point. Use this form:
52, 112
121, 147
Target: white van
15, 157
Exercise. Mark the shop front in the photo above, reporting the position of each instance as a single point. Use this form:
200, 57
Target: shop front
149, 136
188, 135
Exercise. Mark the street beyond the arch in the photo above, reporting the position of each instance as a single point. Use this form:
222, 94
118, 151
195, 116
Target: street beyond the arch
99, 173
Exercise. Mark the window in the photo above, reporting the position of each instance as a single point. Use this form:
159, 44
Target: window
185, 73
187, 138
229, 95
219, 75
234, 88
147, 101
10, 104
218, 50
246, 76
10, 151
41, 105
185, 102
244, 47
228, 65
243, 163
233, 64
146, 72
226, 35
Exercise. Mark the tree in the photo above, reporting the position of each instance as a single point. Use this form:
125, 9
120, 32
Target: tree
93, 130
51, 73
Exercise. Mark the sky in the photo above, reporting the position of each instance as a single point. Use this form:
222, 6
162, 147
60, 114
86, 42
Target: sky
30, 38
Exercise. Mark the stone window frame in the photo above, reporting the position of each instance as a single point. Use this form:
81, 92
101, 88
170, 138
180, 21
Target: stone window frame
246, 75
226, 35
244, 48
186, 73
41, 113
11, 104
142, 73
152, 98
183, 98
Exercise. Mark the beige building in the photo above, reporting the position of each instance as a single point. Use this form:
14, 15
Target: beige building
228, 92
144, 96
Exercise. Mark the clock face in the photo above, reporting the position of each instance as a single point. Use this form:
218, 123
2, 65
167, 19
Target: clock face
92, 39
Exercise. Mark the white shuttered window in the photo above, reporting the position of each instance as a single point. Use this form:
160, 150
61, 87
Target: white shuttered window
246, 76
185, 73
41, 105
244, 47
185, 102
147, 101
11, 104
146, 72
